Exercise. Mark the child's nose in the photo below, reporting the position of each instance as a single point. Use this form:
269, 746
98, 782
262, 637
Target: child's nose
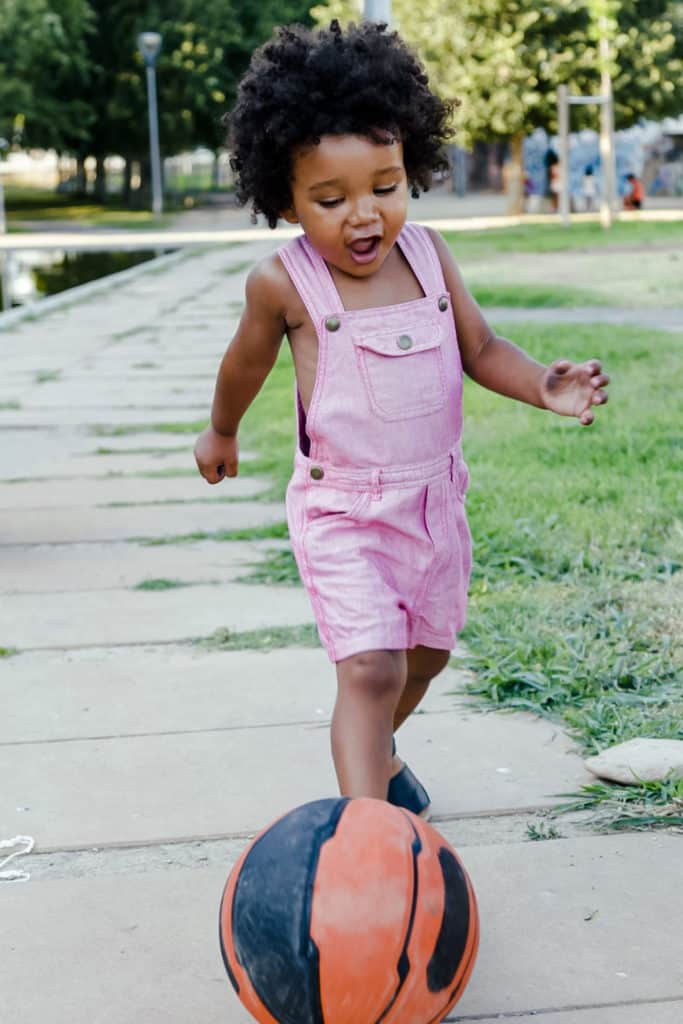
364, 211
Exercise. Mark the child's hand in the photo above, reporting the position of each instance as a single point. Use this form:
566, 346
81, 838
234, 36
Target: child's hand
216, 454
572, 389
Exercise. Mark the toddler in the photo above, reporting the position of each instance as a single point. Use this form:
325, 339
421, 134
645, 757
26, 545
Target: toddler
331, 130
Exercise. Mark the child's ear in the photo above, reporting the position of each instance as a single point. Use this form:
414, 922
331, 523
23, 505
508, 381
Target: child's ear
290, 215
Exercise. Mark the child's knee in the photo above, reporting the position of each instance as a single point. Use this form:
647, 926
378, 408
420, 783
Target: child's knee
424, 664
377, 676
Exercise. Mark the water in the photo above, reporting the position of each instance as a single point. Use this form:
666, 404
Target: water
33, 274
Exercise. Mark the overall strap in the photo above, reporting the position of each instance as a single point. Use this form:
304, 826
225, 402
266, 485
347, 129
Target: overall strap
311, 278
418, 248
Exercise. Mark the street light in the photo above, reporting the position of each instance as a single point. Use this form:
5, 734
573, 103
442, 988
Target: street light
5, 300
377, 10
149, 45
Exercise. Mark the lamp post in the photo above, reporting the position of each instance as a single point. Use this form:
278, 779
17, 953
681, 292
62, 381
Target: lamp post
5, 300
377, 10
149, 45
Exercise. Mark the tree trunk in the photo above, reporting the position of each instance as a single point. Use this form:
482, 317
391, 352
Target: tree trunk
81, 182
100, 180
515, 182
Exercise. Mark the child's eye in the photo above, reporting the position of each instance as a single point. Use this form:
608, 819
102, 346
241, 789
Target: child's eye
329, 203
385, 190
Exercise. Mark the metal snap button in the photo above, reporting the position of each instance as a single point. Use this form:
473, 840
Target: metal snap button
332, 323
443, 303
405, 342
317, 472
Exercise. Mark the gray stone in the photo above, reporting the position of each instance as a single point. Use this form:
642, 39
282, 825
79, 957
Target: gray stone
106, 416
44, 526
133, 490
102, 617
55, 568
175, 726
638, 760
637, 1013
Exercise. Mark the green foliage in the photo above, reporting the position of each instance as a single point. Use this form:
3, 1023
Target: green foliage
276, 567
262, 639
160, 584
45, 71
644, 807
505, 59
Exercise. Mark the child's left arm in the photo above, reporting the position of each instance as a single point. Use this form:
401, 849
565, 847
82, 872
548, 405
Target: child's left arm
570, 389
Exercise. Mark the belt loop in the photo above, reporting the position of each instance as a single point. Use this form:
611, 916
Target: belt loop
376, 485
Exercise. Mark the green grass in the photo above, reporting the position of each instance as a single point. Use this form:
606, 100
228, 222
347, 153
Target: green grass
160, 584
141, 450
276, 531
532, 296
38, 205
540, 238
277, 567
125, 429
577, 596
8, 652
47, 376
261, 639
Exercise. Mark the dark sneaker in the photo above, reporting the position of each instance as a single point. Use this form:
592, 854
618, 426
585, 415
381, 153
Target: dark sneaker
406, 790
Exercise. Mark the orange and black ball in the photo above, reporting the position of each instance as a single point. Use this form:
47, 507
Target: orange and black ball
349, 912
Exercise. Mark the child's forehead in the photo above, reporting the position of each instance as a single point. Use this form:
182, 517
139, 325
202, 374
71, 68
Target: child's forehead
338, 155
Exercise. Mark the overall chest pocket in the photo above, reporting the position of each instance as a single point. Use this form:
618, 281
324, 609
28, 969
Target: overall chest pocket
403, 370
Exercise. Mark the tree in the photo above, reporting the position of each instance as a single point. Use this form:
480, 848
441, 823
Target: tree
206, 47
44, 70
506, 58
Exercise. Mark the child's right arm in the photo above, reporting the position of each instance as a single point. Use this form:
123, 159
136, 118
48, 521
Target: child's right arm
249, 359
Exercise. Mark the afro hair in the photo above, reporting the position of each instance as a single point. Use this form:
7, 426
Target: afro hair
304, 84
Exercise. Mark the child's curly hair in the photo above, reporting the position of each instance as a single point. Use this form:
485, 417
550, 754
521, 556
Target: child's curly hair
304, 84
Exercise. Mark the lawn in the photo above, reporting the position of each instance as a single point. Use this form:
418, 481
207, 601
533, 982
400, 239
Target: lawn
35, 205
633, 265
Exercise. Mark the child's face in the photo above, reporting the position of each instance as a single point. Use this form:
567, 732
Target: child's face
350, 196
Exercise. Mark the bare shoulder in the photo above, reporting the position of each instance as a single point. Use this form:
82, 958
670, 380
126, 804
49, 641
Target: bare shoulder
443, 250
269, 285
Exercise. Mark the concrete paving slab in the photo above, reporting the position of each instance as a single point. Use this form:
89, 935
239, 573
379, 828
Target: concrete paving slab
73, 466
639, 1013
44, 526
161, 786
57, 695
99, 945
132, 490
55, 568
105, 617
36, 416
116, 394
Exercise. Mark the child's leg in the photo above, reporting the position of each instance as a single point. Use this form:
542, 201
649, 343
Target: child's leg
423, 664
369, 686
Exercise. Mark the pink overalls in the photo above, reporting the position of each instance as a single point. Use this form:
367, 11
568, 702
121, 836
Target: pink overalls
375, 504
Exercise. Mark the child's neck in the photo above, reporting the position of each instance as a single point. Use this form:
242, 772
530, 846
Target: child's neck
391, 285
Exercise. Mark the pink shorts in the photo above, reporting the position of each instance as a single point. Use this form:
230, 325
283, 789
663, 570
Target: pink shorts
385, 555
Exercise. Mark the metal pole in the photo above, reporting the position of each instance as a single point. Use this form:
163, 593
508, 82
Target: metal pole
563, 133
157, 194
608, 199
377, 10
5, 299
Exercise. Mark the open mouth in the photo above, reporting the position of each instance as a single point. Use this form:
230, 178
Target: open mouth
365, 250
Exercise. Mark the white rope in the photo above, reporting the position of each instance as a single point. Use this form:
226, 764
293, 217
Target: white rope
28, 842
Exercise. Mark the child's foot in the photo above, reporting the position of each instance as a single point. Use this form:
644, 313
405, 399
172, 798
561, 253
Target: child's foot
406, 790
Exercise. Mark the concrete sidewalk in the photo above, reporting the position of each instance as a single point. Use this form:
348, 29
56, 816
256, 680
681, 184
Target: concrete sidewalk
141, 761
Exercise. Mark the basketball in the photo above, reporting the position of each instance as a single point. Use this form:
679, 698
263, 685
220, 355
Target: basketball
349, 912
